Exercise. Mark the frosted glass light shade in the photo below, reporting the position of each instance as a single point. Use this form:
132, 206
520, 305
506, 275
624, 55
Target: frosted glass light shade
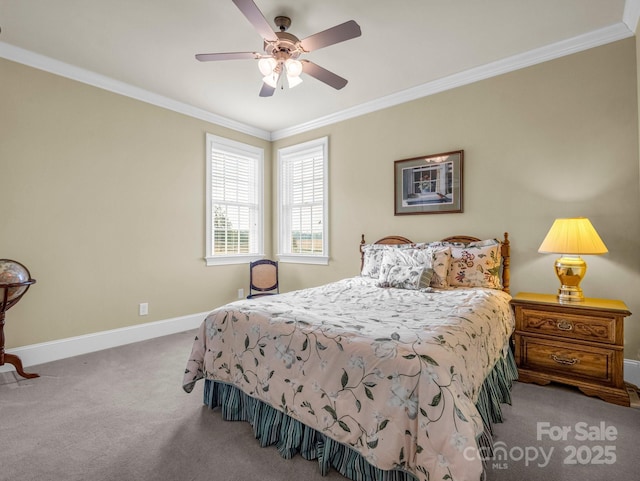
293, 81
266, 65
294, 67
271, 80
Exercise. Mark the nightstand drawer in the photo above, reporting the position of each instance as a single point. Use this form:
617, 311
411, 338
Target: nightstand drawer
592, 328
587, 362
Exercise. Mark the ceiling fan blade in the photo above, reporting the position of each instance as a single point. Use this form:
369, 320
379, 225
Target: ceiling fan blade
254, 15
206, 57
266, 90
337, 34
323, 75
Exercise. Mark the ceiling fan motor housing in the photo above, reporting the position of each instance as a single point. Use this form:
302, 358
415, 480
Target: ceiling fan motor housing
287, 46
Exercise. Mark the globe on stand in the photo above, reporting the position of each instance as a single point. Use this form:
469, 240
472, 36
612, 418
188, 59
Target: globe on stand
15, 280
12, 272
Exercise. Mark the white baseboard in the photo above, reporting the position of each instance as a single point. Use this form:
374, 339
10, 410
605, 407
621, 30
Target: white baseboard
35, 354
632, 371
75, 346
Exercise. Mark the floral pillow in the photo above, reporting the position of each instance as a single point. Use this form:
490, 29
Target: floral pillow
434, 261
372, 259
373, 254
476, 264
407, 277
440, 262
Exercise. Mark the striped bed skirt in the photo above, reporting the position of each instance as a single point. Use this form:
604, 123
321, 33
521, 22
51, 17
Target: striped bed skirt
273, 427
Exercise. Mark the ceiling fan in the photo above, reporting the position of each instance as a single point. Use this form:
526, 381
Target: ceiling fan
279, 63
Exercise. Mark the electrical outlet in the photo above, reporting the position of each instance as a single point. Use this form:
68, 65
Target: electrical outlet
240, 293
143, 309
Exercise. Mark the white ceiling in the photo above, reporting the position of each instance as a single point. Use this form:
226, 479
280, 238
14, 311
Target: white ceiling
408, 49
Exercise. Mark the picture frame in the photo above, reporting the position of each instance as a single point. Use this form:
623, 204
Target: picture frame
430, 184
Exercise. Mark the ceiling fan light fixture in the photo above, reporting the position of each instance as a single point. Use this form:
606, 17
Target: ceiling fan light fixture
294, 67
271, 80
267, 65
293, 81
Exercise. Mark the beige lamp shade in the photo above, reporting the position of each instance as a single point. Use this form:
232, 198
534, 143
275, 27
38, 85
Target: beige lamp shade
573, 236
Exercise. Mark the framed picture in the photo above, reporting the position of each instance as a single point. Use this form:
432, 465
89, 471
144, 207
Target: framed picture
431, 184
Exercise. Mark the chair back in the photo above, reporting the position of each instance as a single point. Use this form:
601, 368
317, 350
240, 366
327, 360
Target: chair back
263, 278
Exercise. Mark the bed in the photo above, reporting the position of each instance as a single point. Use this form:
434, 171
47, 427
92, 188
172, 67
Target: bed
396, 374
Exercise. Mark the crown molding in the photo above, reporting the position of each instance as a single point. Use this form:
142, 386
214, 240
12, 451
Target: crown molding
631, 14
42, 62
596, 38
580, 43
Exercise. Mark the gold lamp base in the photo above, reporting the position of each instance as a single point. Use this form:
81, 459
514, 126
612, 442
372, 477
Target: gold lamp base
570, 270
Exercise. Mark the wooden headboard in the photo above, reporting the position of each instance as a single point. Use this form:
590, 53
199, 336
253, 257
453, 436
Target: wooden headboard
465, 239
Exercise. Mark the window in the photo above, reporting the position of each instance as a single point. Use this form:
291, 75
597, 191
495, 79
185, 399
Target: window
234, 202
302, 191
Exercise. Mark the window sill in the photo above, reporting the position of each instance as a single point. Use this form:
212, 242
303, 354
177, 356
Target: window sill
228, 260
293, 259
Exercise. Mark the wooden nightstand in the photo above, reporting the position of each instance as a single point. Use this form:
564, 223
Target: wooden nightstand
578, 343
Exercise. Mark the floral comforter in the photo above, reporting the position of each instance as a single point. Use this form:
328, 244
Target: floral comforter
392, 373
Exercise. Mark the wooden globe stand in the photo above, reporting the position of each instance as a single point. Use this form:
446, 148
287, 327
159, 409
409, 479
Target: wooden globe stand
5, 304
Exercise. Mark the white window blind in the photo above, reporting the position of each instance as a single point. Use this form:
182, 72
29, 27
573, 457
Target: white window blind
234, 206
303, 202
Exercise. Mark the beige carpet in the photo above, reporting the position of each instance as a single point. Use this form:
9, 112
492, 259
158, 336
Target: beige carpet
121, 414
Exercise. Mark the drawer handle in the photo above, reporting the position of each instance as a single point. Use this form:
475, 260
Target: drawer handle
564, 325
564, 360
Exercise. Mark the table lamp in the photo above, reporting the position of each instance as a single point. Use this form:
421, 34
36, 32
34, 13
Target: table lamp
571, 238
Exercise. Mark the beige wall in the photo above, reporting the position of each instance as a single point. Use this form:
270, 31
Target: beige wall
553, 140
638, 72
102, 197
105, 194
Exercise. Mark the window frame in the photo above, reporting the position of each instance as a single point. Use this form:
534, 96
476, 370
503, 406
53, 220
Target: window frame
256, 154
284, 233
